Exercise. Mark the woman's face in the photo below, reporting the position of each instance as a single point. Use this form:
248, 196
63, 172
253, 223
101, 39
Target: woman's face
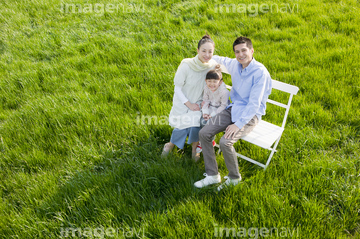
206, 52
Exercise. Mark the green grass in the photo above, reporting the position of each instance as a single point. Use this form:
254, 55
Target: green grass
72, 86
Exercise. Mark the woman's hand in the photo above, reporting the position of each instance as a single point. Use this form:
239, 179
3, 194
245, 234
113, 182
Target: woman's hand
193, 107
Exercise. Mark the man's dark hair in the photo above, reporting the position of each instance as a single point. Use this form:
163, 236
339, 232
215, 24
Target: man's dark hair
241, 40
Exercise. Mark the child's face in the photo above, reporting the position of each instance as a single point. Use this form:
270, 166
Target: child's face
213, 84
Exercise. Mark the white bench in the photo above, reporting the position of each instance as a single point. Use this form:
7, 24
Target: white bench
266, 134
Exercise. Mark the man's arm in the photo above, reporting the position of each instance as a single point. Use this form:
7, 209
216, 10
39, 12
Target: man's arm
255, 99
256, 96
225, 61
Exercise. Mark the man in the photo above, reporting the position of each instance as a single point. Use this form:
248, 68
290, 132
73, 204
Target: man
250, 90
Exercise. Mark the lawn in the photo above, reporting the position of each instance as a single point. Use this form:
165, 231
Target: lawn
77, 161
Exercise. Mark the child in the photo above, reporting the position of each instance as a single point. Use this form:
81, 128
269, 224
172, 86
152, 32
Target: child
216, 97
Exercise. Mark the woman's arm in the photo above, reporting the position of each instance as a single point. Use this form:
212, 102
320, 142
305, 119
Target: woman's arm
179, 82
180, 94
184, 100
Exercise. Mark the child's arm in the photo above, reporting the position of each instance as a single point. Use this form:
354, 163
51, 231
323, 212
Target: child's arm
224, 101
206, 100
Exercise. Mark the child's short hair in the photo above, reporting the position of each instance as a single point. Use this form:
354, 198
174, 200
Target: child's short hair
215, 74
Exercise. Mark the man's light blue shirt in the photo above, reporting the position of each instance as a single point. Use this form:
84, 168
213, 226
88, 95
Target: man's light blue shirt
251, 88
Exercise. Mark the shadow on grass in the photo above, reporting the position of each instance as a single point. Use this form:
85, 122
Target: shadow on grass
124, 187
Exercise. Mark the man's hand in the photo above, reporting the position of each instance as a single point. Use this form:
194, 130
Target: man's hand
193, 107
230, 131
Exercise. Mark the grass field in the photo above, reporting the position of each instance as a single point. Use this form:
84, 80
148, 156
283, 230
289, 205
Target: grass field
75, 162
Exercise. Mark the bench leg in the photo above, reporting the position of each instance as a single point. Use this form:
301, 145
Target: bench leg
273, 150
264, 166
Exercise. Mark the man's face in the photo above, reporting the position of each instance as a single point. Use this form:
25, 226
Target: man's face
243, 54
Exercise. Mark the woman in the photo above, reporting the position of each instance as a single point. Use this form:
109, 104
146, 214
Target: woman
189, 85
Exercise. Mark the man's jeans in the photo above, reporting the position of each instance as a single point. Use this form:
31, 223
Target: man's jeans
216, 125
